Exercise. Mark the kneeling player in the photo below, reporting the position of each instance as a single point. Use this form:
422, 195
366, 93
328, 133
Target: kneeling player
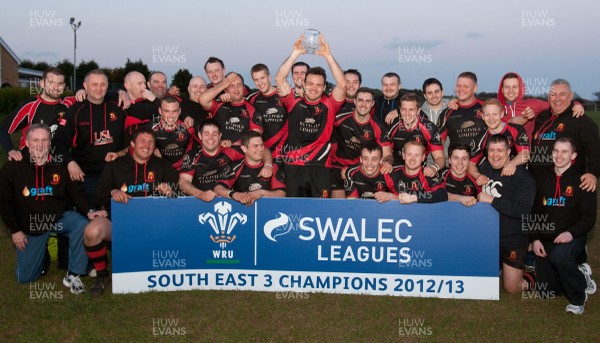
243, 183
572, 211
137, 174
366, 181
512, 196
414, 186
459, 184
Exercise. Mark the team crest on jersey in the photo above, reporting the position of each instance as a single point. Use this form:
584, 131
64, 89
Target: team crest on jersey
379, 186
55, 179
61, 119
418, 139
468, 190
478, 114
367, 135
245, 114
112, 116
150, 177
180, 137
317, 110
413, 186
569, 191
513, 255
325, 193
279, 103
560, 127
222, 222
221, 162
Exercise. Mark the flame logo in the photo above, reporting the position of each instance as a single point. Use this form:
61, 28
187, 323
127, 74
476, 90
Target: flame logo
124, 188
26, 192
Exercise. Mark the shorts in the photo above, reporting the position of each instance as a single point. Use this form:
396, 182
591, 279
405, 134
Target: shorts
308, 181
514, 257
337, 183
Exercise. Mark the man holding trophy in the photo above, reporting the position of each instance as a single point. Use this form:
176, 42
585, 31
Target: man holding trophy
310, 120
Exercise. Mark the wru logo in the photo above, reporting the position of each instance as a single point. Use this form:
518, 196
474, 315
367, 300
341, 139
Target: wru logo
223, 223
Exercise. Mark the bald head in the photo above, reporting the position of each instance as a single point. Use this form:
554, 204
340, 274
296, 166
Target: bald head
196, 87
135, 84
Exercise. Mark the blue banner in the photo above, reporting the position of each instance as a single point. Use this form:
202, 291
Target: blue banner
306, 245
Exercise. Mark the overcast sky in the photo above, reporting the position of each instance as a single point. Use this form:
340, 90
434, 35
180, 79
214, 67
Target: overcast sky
541, 40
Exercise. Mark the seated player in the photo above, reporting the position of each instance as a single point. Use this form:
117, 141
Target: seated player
493, 112
572, 211
173, 137
137, 174
243, 184
414, 186
459, 184
512, 196
366, 181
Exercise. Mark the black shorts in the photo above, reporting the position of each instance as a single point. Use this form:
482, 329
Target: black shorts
337, 183
308, 181
514, 257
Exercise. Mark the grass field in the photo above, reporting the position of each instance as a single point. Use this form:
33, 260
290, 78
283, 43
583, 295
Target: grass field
227, 316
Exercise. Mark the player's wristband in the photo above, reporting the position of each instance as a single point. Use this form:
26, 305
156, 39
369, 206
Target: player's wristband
268, 165
230, 194
435, 166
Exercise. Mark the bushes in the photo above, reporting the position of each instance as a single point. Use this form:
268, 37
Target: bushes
10, 97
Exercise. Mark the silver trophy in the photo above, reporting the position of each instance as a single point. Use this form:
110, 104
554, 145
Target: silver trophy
311, 41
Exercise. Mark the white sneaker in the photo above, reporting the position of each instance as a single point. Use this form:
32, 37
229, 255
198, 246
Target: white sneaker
74, 283
574, 309
92, 273
587, 272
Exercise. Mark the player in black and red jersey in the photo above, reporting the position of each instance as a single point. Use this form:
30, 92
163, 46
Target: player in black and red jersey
353, 82
414, 186
413, 127
201, 170
310, 124
462, 124
235, 117
459, 184
91, 133
137, 174
243, 184
269, 109
192, 113
47, 107
173, 137
143, 110
352, 130
365, 180
493, 112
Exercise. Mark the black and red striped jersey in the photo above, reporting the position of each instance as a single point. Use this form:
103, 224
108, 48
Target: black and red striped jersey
244, 178
463, 124
273, 116
517, 141
194, 110
32, 111
425, 132
235, 119
173, 144
207, 170
90, 131
351, 136
359, 185
427, 189
310, 125
461, 186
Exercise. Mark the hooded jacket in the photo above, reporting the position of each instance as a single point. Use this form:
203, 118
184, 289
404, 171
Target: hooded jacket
516, 108
433, 115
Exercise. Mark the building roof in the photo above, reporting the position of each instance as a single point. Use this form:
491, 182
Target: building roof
9, 50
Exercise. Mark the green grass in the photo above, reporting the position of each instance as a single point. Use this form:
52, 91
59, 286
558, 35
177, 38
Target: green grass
232, 316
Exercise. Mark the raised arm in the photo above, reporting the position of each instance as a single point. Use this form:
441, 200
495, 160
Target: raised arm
283, 87
339, 91
207, 97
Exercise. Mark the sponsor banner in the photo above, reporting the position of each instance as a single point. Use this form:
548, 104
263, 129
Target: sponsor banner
314, 245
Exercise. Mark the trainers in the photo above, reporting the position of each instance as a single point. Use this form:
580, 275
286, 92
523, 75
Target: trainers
74, 283
102, 279
92, 273
574, 309
587, 272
